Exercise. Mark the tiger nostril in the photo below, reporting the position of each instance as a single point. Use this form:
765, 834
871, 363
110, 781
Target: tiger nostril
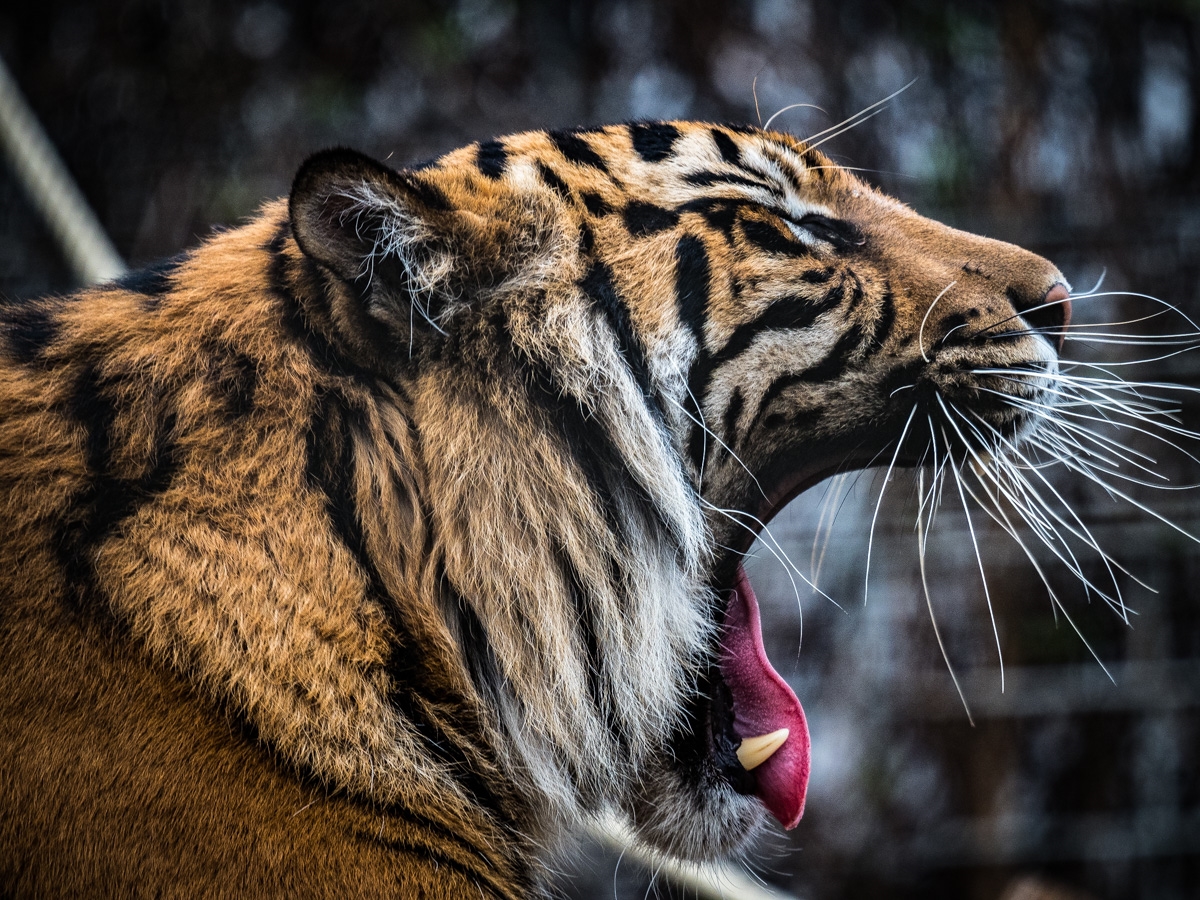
1058, 299
1051, 315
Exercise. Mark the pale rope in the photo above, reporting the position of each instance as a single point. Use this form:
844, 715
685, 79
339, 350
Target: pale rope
52, 190
91, 254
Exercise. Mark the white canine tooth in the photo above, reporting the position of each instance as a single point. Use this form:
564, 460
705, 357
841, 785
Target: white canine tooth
753, 752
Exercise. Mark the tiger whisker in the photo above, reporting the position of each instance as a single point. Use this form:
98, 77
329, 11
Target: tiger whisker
1050, 415
841, 131
1079, 333
830, 505
1137, 412
1066, 424
1021, 496
782, 554
1081, 533
1056, 603
925, 318
921, 548
1090, 292
857, 119
1168, 307
705, 431
1076, 326
1123, 363
767, 124
1020, 314
1091, 475
1001, 519
1063, 442
987, 596
1071, 462
699, 423
878, 503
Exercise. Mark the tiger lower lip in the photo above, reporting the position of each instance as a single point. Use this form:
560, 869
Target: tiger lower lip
765, 710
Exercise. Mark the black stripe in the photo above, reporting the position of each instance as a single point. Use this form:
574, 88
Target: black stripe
587, 240
236, 376
843, 236
719, 213
707, 179
154, 280
586, 621
492, 159
697, 441
575, 149
835, 363
599, 287
770, 239
728, 147
831, 367
427, 193
645, 218
29, 327
732, 413
653, 141
480, 658
856, 295
882, 329
815, 162
596, 204
330, 470
692, 287
788, 313
553, 181
591, 447
783, 164
108, 498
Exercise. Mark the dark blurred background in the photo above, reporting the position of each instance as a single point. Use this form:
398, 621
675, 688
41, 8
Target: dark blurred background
1069, 127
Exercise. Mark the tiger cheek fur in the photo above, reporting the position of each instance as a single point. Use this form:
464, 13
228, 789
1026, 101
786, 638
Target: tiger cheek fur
436, 482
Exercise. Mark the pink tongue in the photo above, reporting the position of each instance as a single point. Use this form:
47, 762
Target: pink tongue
762, 703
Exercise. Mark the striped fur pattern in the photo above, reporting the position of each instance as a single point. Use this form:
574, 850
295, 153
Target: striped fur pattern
368, 543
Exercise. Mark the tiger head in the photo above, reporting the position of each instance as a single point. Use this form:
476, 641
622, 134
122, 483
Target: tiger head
622, 351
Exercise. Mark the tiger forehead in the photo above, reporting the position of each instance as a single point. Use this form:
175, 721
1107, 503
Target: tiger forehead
667, 162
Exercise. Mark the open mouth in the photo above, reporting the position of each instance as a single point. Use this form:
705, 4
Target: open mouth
756, 732
756, 714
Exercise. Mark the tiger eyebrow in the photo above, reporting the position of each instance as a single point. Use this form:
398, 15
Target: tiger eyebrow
785, 166
707, 178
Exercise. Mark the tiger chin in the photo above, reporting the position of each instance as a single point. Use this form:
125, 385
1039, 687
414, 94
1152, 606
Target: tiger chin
366, 545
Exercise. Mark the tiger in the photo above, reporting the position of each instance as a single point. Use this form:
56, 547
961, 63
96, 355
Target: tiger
370, 545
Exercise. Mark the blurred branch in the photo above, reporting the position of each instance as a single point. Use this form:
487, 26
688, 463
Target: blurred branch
51, 188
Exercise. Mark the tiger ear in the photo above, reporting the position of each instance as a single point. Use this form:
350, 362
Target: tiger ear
386, 234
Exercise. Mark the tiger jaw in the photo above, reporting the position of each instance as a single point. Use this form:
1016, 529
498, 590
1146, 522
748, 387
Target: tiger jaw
962, 379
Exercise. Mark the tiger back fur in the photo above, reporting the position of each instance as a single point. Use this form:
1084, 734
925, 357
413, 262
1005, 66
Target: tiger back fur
360, 548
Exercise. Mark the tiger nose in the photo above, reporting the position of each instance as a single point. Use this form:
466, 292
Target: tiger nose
1058, 298
1051, 315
